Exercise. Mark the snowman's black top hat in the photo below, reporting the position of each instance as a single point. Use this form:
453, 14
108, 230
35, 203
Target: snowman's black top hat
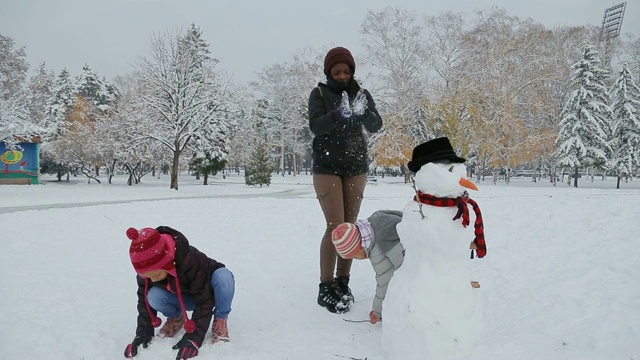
431, 151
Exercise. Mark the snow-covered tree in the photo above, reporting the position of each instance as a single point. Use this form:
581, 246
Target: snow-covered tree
40, 91
120, 146
181, 93
78, 146
63, 99
306, 71
394, 45
13, 68
206, 164
14, 115
96, 90
88, 85
14, 120
285, 121
125, 84
625, 128
260, 167
245, 136
584, 128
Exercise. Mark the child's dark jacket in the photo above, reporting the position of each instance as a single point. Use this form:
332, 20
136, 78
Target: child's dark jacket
194, 270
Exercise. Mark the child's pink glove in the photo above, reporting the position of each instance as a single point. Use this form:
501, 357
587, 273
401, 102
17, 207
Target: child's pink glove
373, 318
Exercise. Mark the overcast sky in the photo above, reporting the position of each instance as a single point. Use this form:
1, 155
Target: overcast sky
110, 35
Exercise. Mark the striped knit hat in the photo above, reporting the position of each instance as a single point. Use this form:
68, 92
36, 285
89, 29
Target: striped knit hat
347, 240
150, 251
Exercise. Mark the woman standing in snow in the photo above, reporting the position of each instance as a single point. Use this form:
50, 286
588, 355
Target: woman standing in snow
338, 110
173, 278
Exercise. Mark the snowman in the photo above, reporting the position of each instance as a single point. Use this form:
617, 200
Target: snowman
432, 309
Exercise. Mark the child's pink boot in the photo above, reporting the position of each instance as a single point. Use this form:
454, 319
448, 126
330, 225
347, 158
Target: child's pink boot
171, 327
220, 330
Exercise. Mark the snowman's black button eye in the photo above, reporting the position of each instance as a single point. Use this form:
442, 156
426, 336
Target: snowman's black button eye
451, 168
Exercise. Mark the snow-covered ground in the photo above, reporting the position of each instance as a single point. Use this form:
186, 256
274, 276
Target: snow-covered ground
560, 280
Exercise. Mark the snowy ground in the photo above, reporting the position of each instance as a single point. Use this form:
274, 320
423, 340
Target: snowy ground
560, 280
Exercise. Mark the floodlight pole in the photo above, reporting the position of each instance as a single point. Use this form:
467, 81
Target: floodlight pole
611, 26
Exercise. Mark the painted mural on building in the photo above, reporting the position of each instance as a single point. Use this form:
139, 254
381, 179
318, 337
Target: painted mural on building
21, 164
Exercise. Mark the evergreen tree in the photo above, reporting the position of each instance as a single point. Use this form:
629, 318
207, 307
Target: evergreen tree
625, 141
109, 94
60, 103
208, 163
88, 85
97, 90
584, 130
260, 167
195, 45
40, 91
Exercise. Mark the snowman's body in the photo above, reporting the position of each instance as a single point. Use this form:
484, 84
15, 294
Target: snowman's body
431, 311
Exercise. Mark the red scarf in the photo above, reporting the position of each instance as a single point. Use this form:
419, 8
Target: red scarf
463, 211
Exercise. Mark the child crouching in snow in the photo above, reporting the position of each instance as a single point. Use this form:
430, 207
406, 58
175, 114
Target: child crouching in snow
375, 238
173, 278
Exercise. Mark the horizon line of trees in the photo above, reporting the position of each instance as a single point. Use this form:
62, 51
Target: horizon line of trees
509, 92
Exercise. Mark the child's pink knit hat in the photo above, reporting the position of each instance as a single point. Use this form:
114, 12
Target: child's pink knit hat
347, 240
150, 250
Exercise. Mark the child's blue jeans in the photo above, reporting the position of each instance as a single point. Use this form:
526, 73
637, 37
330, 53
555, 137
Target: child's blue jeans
222, 283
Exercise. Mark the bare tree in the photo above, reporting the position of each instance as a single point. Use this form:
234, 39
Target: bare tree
630, 54
78, 148
445, 49
505, 66
14, 117
284, 91
394, 47
120, 145
181, 94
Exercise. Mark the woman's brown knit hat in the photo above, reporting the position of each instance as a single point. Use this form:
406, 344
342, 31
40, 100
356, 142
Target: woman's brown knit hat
338, 55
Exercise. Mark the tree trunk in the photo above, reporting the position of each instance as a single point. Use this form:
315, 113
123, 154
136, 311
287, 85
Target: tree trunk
575, 177
206, 179
129, 169
138, 172
111, 169
87, 171
174, 169
618, 183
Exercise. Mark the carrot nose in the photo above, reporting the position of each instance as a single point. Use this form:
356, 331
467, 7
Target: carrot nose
468, 184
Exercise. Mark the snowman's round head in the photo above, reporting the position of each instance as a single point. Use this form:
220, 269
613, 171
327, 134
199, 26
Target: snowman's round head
443, 179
